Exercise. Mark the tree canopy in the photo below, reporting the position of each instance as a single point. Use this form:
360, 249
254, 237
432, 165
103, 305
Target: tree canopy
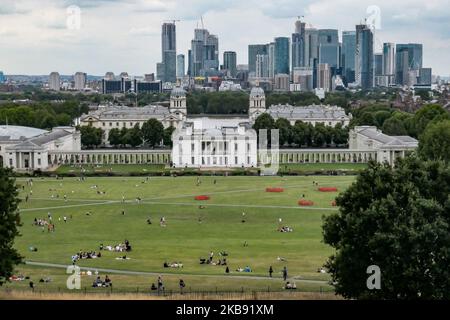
398, 219
9, 223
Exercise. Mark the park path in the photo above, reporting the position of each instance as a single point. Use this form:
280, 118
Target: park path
143, 273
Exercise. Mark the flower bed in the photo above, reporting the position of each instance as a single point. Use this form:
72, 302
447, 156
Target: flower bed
274, 189
328, 189
201, 198
305, 203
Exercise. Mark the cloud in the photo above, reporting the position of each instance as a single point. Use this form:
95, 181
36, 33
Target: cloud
112, 31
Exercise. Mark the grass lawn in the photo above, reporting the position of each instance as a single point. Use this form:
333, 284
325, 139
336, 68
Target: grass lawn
301, 167
115, 168
191, 232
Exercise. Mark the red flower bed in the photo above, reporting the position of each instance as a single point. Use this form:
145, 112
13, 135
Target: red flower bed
328, 189
201, 198
274, 189
305, 203
333, 203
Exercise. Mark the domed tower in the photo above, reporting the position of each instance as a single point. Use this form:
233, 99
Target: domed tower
178, 103
257, 103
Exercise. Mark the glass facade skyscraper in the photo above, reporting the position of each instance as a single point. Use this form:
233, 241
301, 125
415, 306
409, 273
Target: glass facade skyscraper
253, 51
329, 47
364, 66
230, 63
348, 55
281, 55
408, 58
298, 45
166, 70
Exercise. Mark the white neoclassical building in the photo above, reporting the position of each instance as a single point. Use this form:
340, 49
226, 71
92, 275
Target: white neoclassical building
118, 117
215, 142
25, 148
199, 141
387, 148
326, 114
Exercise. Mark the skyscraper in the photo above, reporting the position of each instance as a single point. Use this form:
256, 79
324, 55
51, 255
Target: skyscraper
324, 76
408, 58
271, 54
2, 77
378, 64
281, 55
389, 62
298, 45
204, 53
180, 66
229, 63
364, 65
80, 79
329, 47
262, 66
311, 46
166, 69
54, 81
253, 50
348, 55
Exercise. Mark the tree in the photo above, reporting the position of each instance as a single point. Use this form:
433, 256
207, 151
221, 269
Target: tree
426, 114
115, 138
168, 136
285, 131
133, 137
9, 222
398, 219
340, 134
264, 121
434, 143
153, 132
394, 126
90, 136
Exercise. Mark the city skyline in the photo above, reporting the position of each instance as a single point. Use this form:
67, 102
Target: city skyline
37, 41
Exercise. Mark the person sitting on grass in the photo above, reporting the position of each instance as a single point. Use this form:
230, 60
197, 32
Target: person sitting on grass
290, 285
108, 282
247, 269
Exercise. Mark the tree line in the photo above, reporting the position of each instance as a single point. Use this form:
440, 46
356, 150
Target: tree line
151, 134
303, 134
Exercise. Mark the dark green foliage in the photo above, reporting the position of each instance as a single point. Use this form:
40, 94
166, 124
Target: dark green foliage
397, 219
9, 223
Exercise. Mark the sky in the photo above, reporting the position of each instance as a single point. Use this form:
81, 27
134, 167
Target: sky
97, 36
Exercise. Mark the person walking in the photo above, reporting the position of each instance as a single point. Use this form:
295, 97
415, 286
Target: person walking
182, 285
270, 271
285, 274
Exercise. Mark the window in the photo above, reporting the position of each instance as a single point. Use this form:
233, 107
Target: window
192, 160
10, 162
131, 124
39, 162
248, 160
117, 124
248, 147
235, 160
103, 124
110, 124
192, 147
235, 147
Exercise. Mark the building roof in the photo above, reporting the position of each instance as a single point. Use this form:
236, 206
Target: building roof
128, 113
178, 92
256, 92
307, 112
49, 136
373, 133
18, 132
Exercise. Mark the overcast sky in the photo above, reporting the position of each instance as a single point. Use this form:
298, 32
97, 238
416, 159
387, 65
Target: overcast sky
125, 35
